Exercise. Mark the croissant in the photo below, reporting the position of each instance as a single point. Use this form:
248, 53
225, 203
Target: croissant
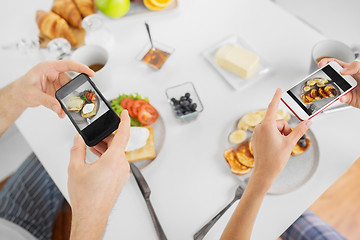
53, 26
318, 94
68, 10
86, 7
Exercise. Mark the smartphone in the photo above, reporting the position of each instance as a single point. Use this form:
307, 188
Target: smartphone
87, 109
318, 91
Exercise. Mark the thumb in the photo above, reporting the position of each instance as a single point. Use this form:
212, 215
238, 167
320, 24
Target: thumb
51, 103
78, 152
299, 131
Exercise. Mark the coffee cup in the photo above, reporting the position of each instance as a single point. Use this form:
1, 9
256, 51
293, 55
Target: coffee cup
96, 58
331, 49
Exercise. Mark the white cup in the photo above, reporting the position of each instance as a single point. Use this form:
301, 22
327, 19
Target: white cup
94, 54
331, 48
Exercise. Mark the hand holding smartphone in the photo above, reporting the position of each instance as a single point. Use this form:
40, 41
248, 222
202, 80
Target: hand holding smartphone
318, 91
87, 109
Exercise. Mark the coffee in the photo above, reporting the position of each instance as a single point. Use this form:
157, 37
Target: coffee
321, 58
96, 67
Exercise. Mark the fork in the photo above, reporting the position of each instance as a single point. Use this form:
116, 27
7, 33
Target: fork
205, 229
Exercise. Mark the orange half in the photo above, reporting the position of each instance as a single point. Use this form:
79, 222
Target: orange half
151, 6
161, 3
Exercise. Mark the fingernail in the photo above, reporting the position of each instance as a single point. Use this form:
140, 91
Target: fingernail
308, 124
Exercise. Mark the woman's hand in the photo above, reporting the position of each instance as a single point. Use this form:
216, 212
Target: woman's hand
38, 86
352, 98
94, 188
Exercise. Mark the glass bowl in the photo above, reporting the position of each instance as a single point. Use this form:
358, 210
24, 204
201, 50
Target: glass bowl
155, 59
179, 91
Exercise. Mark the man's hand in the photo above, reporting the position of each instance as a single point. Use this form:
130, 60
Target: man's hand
38, 86
273, 142
94, 188
352, 98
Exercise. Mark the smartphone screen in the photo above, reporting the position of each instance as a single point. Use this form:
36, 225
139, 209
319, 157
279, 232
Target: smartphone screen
319, 89
87, 109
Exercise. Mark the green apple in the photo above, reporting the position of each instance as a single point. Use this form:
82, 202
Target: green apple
113, 8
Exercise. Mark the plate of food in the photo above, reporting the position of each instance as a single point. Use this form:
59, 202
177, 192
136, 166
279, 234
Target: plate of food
300, 167
147, 132
83, 106
237, 62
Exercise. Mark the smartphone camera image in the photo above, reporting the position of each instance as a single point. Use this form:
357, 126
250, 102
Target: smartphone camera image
318, 91
87, 109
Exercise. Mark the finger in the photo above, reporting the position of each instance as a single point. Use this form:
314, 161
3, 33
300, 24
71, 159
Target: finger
50, 102
273, 106
64, 78
101, 147
299, 131
69, 65
351, 69
346, 98
78, 152
283, 127
94, 151
121, 138
109, 139
325, 61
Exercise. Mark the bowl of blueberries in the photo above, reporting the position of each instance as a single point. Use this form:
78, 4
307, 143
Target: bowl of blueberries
184, 101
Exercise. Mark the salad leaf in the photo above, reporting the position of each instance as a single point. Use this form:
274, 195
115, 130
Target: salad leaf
115, 104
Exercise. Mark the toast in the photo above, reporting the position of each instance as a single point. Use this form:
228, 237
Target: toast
88, 114
147, 152
75, 104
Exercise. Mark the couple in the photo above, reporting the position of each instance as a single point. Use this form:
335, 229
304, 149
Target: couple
30, 201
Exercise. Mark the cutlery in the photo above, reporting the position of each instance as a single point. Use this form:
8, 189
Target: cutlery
204, 230
148, 31
145, 190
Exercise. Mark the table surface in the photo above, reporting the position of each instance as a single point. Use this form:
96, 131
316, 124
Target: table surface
190, 180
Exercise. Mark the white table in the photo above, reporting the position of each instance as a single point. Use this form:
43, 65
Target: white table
190, 180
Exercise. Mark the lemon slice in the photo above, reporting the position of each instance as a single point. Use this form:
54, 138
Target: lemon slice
252, 119
237, 136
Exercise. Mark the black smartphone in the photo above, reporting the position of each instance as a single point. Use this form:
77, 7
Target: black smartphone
87, 109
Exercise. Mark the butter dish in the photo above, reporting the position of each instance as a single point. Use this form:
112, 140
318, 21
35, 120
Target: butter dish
238, 83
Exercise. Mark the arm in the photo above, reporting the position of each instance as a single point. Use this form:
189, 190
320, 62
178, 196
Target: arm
94, 188
352, 98
37, 87
272, 143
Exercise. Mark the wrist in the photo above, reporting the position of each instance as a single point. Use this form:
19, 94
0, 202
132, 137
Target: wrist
261, 180
87, 226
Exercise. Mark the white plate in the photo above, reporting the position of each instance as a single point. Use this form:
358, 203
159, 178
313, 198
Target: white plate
234, 80
298, 170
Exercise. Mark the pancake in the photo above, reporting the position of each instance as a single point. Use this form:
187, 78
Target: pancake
300, 150
235, 165
243, 155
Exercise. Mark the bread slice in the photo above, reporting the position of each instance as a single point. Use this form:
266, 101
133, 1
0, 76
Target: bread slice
147, 152
89, 114
75, 104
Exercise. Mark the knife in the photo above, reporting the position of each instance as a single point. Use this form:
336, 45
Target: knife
145, 190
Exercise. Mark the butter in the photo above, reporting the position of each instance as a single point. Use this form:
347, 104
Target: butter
237, 60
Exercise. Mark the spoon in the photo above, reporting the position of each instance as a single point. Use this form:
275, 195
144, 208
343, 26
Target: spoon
148, 31
204, 230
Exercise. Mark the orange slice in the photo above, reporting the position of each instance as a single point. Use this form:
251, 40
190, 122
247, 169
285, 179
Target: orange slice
161, 3
148, 4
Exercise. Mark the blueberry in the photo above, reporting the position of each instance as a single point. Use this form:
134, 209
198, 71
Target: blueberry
187, 109
183, 98
189, 100
302, 143
177, 107
184, 103
187, 95
173, 100
179, 112
176, 103
193, 106
303, 136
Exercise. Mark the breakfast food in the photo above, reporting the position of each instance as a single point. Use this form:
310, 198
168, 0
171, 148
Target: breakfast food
302, 145
184, 105
235, 165
241, 157
75, 104
146, 152
88, 110
316, 89
237, 60
53, 26
138, 138
88, 96
67, 10
86, 7
140, 110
